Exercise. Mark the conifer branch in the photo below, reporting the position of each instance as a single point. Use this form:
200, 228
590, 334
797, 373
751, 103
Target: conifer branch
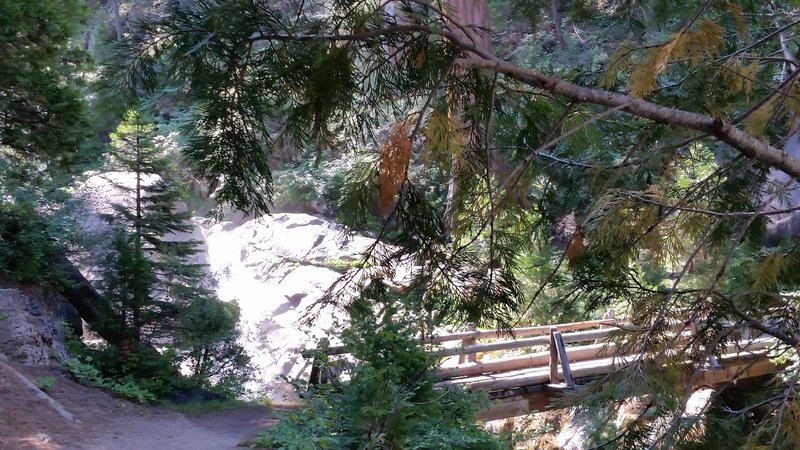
753, 322
715, 126
720, 127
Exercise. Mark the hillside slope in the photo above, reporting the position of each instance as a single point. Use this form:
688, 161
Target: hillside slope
106, 423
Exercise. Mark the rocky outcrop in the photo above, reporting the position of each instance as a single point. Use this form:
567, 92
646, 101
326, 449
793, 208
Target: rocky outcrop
276, 267
32, 326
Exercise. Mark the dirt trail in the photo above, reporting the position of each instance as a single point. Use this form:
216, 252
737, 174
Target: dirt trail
108, 423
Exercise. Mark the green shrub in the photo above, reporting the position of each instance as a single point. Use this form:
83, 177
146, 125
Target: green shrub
88, 374
131, 389
148, 375
390, 400
27, 244
84, 373
44, 383
209, 405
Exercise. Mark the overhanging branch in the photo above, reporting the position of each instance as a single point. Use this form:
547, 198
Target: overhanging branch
483, 59
714, 126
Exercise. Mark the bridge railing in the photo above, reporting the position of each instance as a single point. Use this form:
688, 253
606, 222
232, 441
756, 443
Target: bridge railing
553, 352
556, 337
470, 336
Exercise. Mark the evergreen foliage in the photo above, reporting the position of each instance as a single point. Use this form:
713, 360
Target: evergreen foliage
643, 195
648, 216
42, 129
41, 110
161, 297
388, 400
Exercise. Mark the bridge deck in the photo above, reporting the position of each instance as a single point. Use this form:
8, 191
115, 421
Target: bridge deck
533, 376
533, 398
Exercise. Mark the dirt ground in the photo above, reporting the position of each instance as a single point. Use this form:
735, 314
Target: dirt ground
108, 423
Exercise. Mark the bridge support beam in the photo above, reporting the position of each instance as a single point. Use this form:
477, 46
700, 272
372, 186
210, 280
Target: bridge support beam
532, 399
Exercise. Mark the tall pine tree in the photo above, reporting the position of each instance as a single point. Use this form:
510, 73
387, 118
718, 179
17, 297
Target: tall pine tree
161, 295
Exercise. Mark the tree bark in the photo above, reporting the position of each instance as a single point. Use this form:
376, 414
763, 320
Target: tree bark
470, 21
117, 19
556, 15
77, 290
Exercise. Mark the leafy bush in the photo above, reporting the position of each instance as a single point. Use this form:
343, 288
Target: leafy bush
141, 376
128, 387
44, 383
390, 400
207, 343
84, 373
27, 248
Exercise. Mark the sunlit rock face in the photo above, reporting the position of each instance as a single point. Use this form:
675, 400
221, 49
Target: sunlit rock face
276, 267
97, 197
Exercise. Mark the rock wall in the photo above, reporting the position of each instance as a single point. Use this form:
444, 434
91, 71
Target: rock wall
32, 326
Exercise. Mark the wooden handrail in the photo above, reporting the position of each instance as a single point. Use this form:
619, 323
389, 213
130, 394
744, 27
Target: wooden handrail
519, 332
541, 330
595, 367
538, 359
569, 338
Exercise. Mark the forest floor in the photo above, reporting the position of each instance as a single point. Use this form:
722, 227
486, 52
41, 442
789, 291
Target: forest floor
108, 423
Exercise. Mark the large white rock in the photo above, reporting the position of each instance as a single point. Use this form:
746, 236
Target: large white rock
97, 196
276, 267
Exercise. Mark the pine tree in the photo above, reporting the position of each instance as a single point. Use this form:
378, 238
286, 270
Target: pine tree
42, 114
43, 124
161, 296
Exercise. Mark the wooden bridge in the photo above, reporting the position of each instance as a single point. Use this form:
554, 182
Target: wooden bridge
556, 358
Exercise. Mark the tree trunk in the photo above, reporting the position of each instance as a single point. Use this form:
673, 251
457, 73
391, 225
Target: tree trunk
77, 290
556, 15
471, 22
117, 19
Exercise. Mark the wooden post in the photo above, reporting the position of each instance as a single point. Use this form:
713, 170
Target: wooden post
713, 364
471, 357
318, 375
562, 356
553, 356
314, 378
